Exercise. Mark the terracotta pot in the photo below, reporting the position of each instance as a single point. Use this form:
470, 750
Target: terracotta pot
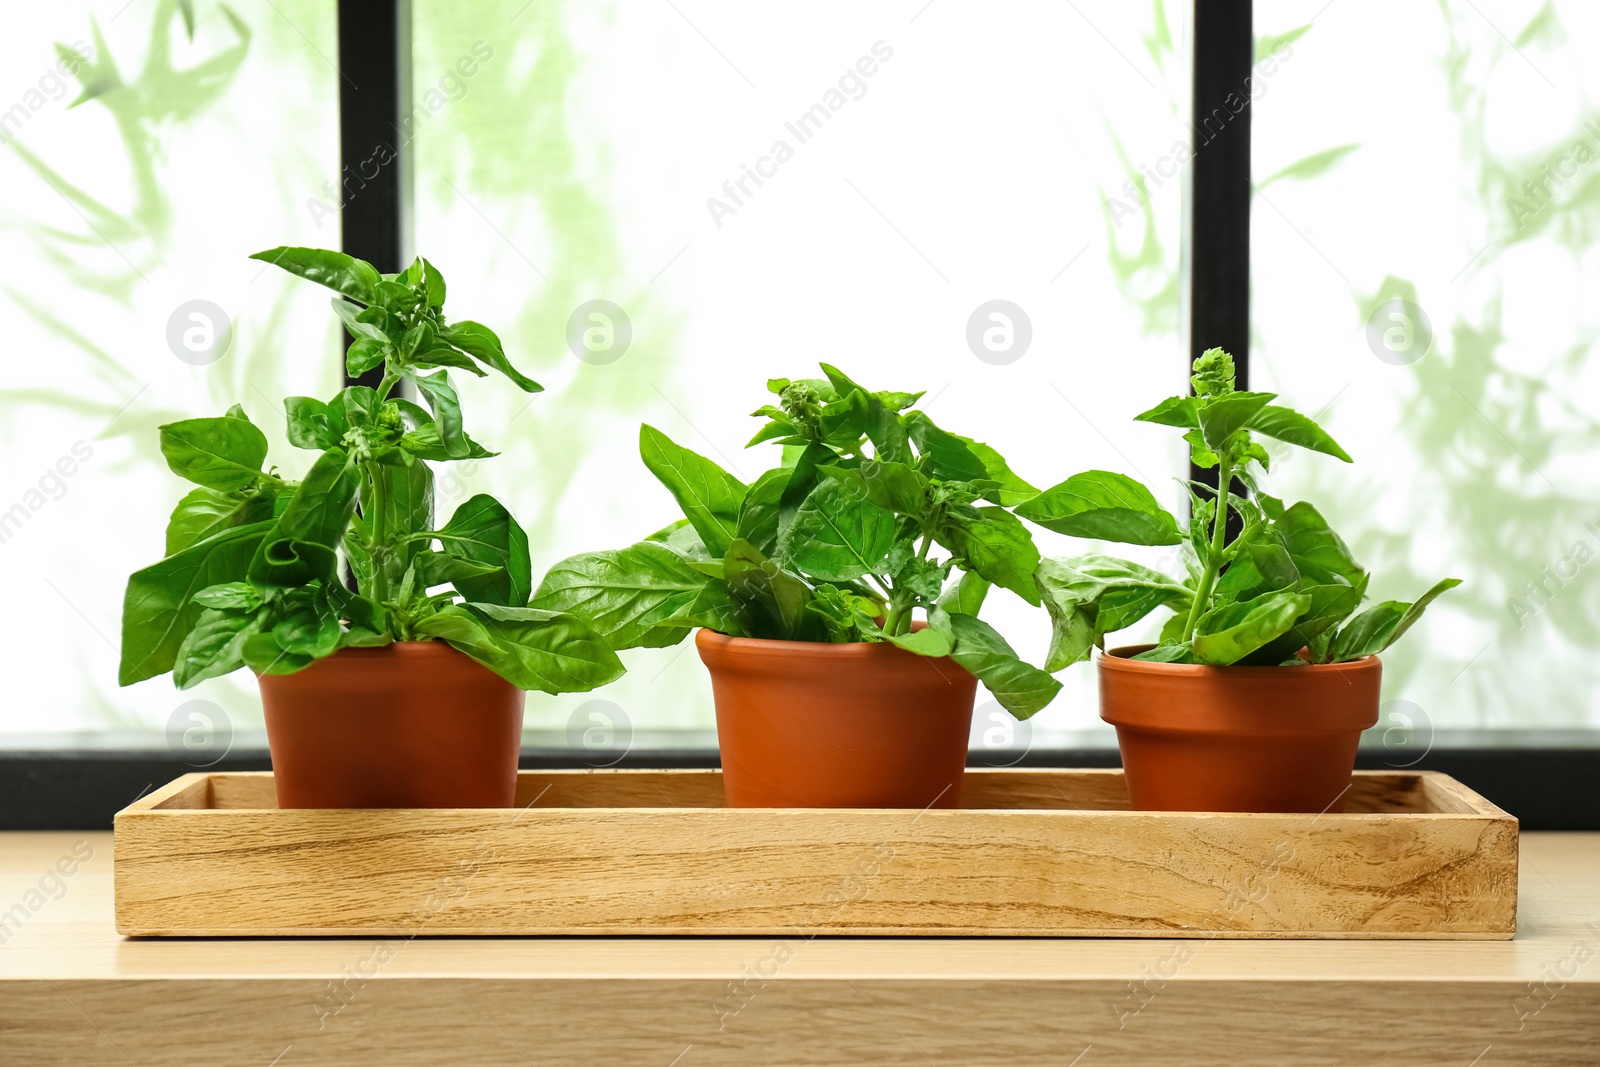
1277, 739
414, 724
860, 725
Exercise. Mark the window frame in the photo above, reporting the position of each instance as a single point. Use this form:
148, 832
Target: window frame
1545, 778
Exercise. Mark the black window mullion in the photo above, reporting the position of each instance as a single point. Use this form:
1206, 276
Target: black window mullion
1219, 234
371, 88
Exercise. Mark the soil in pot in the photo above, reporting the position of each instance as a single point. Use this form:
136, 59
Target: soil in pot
859, 725
1264, 739
414, 724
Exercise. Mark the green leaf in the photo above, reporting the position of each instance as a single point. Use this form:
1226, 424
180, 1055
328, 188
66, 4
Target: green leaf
441, 397
355, 278
1290, 426
322, 504
998, 547
531, 648
480, 342
1013, 489
709, 496
229, 596
407, 504
365, 353
1318, 552
1092, 595
424, 443
769, 602
363, 324
433, 282
309, 628
158, 608
1227, 634
203, 513
837, 535
224, 453
626, 594
945, 456
289, 561
1221, 416
263, 655
1182, 652
1103, 505
447, 357
214, 647
1382, 625
482, 530
1180, 411
1330, 605
761, 509
1021, 688
966, 594
893, 486
311, 424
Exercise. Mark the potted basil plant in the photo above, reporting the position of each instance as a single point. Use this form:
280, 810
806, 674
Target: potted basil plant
404, 686
837, 597
1266, 673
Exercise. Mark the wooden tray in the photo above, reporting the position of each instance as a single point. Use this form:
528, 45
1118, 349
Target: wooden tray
1030, 853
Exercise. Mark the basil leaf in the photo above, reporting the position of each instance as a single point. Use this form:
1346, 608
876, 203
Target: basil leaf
214, 647
625, 595
1092, 595
837, 535
310, 423
482, 530
203, 513
224, 453
1290, 426
1382, 625
709, 496
441, 397
353, 277
1318, 552
1182, 652
769, 602
1227, 634
365, 353
1021, 688
531, 648
966, 594
997, 546
944, 455
480, 342
1103, 505
1221, 416
158, 609
1180, 411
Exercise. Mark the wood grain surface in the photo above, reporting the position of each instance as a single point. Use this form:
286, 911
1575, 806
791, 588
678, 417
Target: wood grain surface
1030, 853
73, 992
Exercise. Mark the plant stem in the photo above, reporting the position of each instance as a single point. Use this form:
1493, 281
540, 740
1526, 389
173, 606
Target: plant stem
1219, 537
377, 533
388, 383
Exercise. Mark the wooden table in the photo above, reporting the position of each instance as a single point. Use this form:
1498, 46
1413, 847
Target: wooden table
73, 992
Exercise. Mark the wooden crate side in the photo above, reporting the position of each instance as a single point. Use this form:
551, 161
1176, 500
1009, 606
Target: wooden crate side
715, 871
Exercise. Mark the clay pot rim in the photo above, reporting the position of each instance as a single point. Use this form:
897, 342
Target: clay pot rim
1120, 659
780, 651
